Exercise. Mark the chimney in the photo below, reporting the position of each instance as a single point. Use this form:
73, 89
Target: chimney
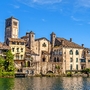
62, 42
82, 45
70, 39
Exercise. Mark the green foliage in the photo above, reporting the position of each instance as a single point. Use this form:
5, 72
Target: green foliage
69, 74
9, 62
6, 74
87, 70
7, 65
57, 67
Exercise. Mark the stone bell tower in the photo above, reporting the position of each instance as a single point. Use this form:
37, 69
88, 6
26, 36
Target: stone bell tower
31, 40
11, 28
53, 37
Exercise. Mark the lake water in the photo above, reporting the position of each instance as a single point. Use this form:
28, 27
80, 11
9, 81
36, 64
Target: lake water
45, 83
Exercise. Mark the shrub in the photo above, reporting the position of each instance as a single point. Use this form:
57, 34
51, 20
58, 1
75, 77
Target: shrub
69, 74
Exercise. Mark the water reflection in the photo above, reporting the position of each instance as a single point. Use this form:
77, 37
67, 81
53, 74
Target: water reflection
45, 83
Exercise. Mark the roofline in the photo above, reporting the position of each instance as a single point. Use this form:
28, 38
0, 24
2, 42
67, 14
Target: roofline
41, 39
12, 18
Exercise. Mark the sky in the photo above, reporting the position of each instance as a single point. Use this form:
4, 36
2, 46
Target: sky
66, 18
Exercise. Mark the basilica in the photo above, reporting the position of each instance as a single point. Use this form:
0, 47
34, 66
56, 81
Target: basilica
40, 55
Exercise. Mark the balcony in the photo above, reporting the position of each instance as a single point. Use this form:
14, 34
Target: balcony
18, 58
83, 61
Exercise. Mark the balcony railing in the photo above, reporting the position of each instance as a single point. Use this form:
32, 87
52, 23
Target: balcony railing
18, 58
83, 61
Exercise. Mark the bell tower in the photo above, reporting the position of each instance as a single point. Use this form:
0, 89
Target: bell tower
53, 37
11, 28
31, 40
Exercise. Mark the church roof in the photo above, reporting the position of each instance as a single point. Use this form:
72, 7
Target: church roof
41, 39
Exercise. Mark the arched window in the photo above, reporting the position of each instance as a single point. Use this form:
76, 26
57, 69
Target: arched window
77, 53
54, 59
60, 52
57, 59
28, 64
71, 52
55, 52
43, 59
70, 66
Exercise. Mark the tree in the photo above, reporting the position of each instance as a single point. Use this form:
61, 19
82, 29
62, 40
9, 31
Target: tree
9, 62
86, 71
1, 65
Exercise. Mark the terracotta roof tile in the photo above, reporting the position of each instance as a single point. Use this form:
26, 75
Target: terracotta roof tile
28, 51
5, 47
66, 43
16, 39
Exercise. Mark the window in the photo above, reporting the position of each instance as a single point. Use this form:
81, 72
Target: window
17, 49
89, 61
71, 52
17, 43
21, 49
77, 67
54, 59
14, 43
22, 43
70, 66
43, 45
57, 59
15, 23
17, 56
21, 57
76, 59
55, 52
71, 60
60, 52
83, 60
12, 49
77, 53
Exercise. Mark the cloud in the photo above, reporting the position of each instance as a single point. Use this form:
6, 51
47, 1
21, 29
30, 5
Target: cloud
75, 19
88, 22
46, 1
39, 2
43, 20
83, 3
15, 6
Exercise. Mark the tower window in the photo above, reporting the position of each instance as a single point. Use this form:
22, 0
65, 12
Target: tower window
15, 23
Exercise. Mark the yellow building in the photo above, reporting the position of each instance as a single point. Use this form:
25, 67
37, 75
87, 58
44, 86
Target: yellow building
18, 50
